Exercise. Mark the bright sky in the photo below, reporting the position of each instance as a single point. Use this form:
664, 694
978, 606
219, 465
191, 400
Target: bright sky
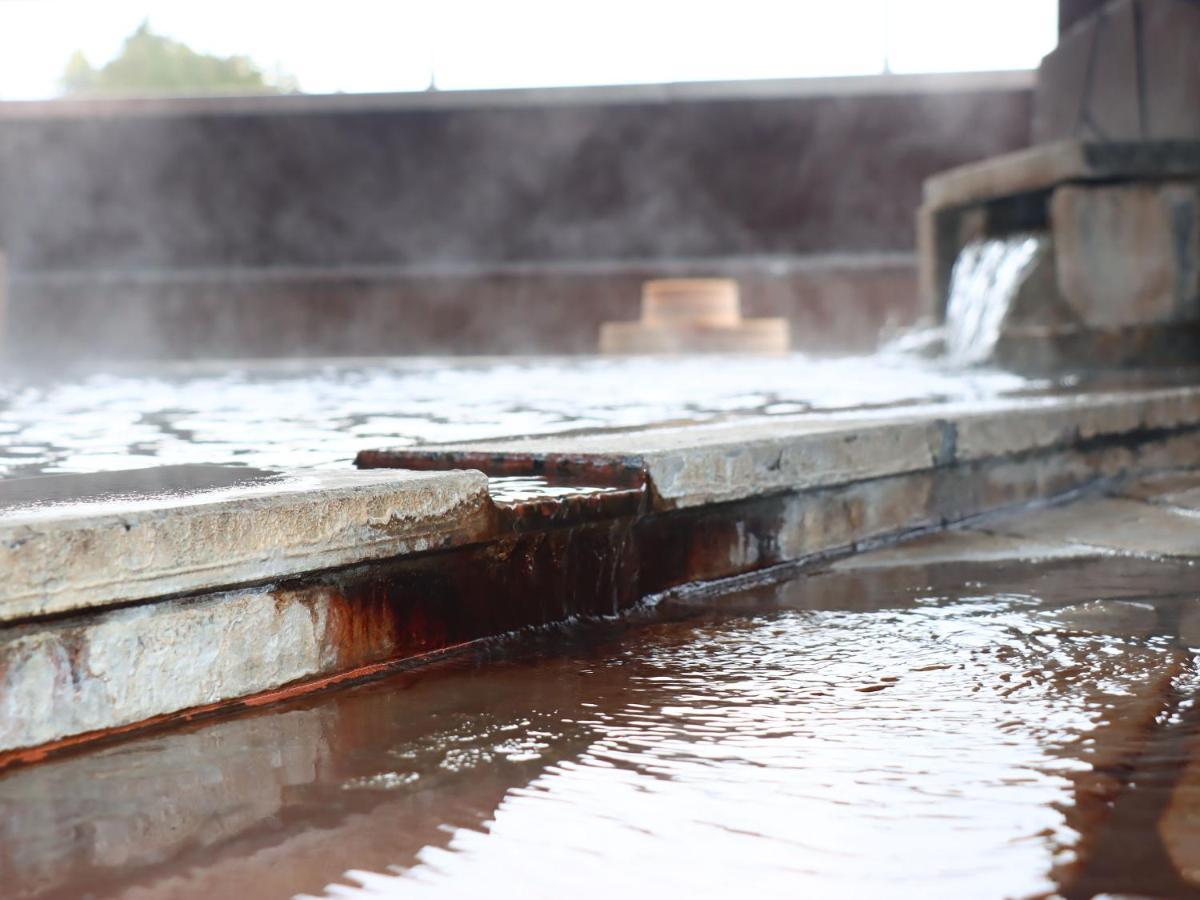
395, 45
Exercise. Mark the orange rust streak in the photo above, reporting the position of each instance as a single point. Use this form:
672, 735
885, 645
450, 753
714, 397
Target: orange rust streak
28, 755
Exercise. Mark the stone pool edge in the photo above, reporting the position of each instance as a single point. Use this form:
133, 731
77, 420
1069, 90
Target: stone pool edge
698, 503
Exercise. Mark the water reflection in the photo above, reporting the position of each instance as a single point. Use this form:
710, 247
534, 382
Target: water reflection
957, 730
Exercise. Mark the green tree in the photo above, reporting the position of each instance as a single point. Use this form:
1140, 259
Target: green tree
153, 63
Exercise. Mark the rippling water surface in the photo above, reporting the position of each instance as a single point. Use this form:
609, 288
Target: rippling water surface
950, 731
318, 414
923, 750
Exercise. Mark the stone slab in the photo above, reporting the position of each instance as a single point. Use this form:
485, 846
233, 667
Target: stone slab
1180, 491
1046, 166
1056, 349
72, 555
1185, 503
61, 557
701, 464
1089, 83
1116, 525
713, 463
125, 484
1127, 253
963, 546
1010, 427
129, 665
86, 675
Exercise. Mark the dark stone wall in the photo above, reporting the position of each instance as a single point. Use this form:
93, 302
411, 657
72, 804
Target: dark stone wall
805, 175
348, 226
1088, 87
1072, 11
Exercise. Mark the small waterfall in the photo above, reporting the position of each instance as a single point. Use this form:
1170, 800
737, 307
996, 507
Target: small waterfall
983, 285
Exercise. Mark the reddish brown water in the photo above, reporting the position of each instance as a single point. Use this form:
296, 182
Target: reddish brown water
963, 730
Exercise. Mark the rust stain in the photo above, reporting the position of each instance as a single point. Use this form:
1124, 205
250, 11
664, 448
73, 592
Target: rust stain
90, 739
558, 468
553, 558
552, 512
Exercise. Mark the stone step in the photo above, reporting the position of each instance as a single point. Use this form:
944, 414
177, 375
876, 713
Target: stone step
122, 613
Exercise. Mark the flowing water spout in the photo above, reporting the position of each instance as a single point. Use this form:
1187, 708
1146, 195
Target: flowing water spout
983, 285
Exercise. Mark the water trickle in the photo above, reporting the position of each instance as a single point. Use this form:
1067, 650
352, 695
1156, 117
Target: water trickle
983, 285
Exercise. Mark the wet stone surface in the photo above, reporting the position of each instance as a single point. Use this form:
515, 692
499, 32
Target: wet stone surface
319, 414
978, 727
1114, 524
132, 485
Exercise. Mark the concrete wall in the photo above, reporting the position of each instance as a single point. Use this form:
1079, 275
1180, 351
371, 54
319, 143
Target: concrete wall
402, 193
1072, 11
1093, 85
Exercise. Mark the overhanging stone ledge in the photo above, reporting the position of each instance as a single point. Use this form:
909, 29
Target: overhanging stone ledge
66, 557
1046, 166
697, 465
100, 673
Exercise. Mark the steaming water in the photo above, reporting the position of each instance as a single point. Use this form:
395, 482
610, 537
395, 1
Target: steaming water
983, 286
950, 731
319, 414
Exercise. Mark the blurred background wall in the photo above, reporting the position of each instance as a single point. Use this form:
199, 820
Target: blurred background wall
472, 222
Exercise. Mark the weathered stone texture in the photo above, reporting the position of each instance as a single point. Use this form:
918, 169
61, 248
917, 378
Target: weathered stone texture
1060, 421
1039, 169
129, 665
66, 557
1069, 102
837, 453
1117, 525
1129, 254
1118, 283
702, 464
731, 498
962, 546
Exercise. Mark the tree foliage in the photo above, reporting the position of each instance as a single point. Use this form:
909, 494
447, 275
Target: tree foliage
154, 63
